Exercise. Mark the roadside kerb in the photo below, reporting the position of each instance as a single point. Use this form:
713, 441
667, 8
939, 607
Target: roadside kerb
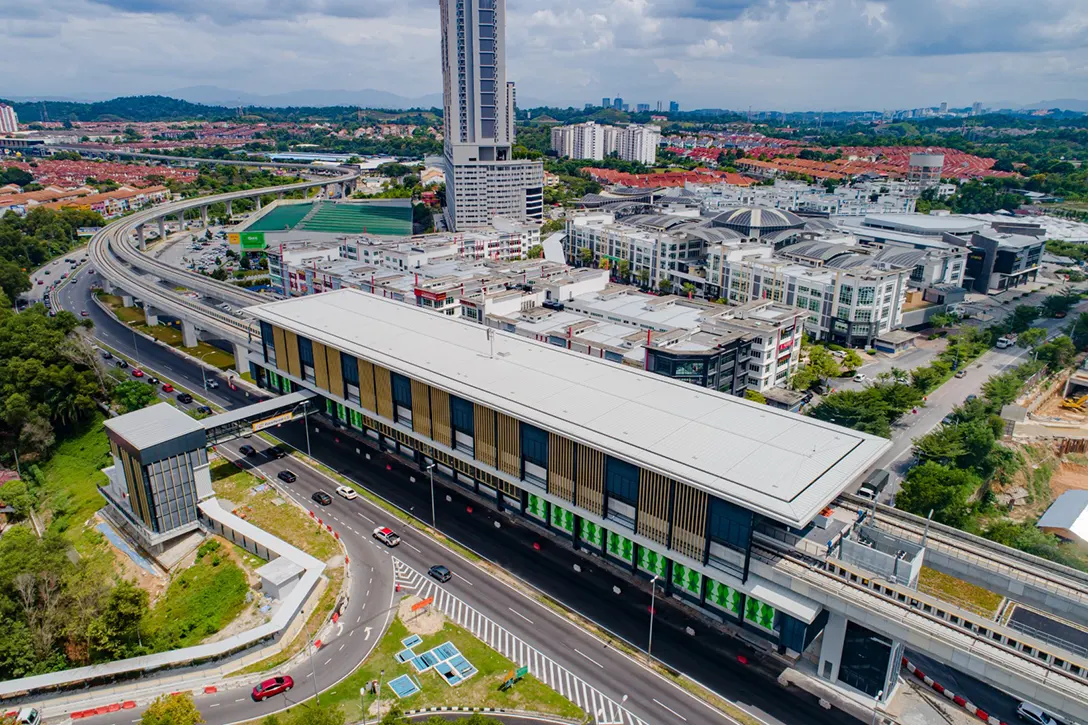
949, 695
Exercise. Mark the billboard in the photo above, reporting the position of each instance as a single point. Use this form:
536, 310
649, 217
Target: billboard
252, 241
234, 238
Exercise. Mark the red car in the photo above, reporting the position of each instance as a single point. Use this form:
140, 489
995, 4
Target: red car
272, 687
167, 388
137, 373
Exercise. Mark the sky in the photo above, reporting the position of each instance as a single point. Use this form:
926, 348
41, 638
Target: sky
764, 54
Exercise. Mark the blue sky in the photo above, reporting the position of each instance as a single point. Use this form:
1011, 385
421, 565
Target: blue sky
782, 54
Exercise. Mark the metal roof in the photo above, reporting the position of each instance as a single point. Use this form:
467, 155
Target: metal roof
251, 412
780, 464
153, 425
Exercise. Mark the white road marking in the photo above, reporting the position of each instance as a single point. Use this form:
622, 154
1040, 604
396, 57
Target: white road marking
418, 551
215, 704
466, 581
520, 615
674, 712
590, 659
240, 699
330, 660
342, 646
365, 516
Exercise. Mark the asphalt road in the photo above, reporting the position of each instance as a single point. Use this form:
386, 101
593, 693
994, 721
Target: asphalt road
709, 656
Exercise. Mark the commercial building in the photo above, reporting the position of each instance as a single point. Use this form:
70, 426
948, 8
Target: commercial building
642, 108
658, 477
846, 200
1000, 260
673, 106
591, 140
9, 122
924, 172
483, 180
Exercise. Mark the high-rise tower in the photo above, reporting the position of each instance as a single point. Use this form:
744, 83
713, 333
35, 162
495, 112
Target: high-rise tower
483, 180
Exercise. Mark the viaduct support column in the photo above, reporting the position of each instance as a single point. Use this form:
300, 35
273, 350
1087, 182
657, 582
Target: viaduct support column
151, 315
241, 359
188, 334
257, 199
162, 228
230, 209
140, 237
204, 217
127, 301
279, 195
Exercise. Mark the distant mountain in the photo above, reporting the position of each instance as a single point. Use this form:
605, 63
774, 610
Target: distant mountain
1066, 104
367, 98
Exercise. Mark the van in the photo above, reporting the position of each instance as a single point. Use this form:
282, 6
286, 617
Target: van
1003, 342
874, 484
28, 716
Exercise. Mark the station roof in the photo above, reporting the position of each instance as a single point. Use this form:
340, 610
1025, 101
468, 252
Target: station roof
776, 463
153, 425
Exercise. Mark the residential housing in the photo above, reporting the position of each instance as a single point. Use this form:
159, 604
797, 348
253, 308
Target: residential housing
591, 140
9, 122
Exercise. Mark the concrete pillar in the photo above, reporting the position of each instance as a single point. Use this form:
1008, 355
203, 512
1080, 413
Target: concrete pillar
241, 359
258, 200
230, 209
140, 237
162, 227
279, 195
831, 647
188, 334
151, 315
127, 301
204, 216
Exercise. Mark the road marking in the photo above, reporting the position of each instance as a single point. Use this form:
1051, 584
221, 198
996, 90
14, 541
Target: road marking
365, 516
215, 704
466, 581
330, 660
342, 646
418, 551
368, 592
674, 712
590, 659
520, 615
240, 699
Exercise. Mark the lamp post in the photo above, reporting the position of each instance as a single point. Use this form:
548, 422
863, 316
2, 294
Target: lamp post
305, 405
313, 673
876, 705
135, 347
653, 600
430, 472
381, 679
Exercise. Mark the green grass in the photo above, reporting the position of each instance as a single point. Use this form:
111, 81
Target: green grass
70, 478
200, 600
285, 520
949, 588
481, 690
130, 315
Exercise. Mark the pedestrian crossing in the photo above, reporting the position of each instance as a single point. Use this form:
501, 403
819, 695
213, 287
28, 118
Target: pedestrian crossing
604, 709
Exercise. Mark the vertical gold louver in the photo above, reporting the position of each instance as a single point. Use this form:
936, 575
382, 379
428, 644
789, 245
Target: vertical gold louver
653, 506
294, 367
321, 368
561, 467
509, 445
421, 408
383, 387
441, 429
689, 522
590, 478
279, 342
484, 435
336, 373
367, 397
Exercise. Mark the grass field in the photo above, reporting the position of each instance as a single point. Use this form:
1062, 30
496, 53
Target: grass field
134, 316
481, 690
948, 587
283, 520
200, 600
70, 477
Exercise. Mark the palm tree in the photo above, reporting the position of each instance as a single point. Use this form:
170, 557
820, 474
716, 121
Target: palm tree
688, 289
665, 286
643, 277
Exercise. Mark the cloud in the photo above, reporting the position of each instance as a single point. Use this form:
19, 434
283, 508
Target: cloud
781, 54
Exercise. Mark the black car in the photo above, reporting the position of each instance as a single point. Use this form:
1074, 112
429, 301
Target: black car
122, 364
204, 409
277, 452
185, 398
322, 498
247, 451
288, 477
441, 573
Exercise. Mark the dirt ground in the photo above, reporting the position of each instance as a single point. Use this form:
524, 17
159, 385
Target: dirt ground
424, 622
1053, 409
1070, 477
153, 584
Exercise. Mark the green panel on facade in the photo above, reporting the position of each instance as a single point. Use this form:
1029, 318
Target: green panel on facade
341, 412
562, 519
652, 562
723, 596
537, 508
687, 579
759, 614
621, 548
330, 406
356, 419
591, 534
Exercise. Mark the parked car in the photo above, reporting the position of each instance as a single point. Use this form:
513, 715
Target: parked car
385, 535
860, 378
347, 492
440, 573
961, 373
137, 373
322, 498
273, 686
247, 450
185, 398
1034, 714
287, 476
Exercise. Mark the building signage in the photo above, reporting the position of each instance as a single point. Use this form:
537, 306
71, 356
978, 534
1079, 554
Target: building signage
432, 296
252, 241
270, 422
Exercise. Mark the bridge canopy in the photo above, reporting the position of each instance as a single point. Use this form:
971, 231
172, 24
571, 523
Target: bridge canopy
252, 418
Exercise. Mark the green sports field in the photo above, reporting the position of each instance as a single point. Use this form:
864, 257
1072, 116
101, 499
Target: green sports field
281, 219
385, 218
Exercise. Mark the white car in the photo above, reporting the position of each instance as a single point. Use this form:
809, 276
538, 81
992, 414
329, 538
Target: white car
1034, 714
385, 535
860, 378
347, 492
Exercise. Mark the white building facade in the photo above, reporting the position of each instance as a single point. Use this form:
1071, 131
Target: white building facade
591, 140
9, 122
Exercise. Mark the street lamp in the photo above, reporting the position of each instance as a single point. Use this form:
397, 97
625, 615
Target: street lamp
876, 704
135, 347
313, 672
305, 405
653, 600
430, 472
381, 679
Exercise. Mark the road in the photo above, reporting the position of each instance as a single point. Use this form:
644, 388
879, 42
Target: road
709, 656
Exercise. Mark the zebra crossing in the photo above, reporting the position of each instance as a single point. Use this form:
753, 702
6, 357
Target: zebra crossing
604, 709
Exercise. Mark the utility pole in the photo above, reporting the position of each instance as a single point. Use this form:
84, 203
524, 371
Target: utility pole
653, 600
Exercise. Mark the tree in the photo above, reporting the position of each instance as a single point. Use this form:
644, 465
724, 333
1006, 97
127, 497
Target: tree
311, 714
536, 252
1022, 317
133, 395
1002, 389
16, 495
1079, 331
172, 710
944, 490
665, 286
755, 396
1031, 337
1056, 305
1058, 353
643, 277
552, 226
822, 363
852, 361
862, 410
944, 319
585, 255
623, 270
115, 633
219, 273
688, 289
13, 280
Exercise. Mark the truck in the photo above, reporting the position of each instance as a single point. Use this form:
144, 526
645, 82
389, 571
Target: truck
875, 483
1004, 342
